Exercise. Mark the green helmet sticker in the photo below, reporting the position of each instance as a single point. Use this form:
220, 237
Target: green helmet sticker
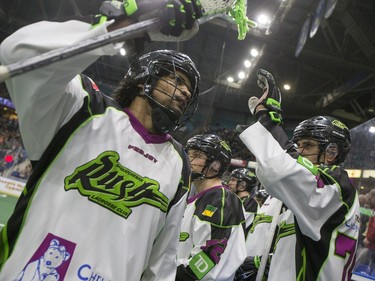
225, 145
339, 124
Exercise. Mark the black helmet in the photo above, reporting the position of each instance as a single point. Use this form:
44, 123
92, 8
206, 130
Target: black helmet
153, 66
245, 175
215, 148
261, 195
326, 130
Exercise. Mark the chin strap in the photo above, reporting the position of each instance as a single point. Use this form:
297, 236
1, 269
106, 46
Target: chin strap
197, 176
161, 120
202, 175
237, 191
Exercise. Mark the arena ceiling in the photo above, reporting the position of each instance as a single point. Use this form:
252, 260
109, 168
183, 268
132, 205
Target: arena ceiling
334, 72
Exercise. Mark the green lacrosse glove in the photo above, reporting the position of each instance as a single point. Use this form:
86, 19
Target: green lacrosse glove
176, 15
181, 15
271, 98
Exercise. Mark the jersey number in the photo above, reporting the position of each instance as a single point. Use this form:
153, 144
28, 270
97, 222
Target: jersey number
344, 245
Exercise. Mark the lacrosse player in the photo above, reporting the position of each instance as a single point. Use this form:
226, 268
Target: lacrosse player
212, 240
109, 184
304, 174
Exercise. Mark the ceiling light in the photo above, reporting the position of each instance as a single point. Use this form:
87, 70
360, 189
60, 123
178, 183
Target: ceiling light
263, 19
286, 87
372, 129
247, 63
254, 52
122, 52
241, 75
230, 79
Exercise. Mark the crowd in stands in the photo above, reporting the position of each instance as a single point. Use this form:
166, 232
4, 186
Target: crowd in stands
365, 263
14, 162
231, 136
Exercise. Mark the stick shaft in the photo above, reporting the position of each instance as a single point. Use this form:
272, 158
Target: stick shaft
269, 239
119, 35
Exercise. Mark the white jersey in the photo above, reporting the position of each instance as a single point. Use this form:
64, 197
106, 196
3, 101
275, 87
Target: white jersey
260, 227
212, 240
251, 208
284, 239
106, 198
322, 199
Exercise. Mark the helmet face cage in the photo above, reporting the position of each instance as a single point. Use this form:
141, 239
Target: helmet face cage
245, 175
327, 131
159, 64
214, 148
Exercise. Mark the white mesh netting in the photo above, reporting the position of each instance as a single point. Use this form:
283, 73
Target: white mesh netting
214, 7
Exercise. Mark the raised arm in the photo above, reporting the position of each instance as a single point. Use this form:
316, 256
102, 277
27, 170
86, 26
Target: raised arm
311, 193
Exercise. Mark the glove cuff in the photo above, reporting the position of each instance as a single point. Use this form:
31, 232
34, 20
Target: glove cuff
130, 7
273, 109
117, 9
272, 104
98, 20
273, 115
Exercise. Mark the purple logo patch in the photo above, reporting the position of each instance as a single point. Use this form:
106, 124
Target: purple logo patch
50, 261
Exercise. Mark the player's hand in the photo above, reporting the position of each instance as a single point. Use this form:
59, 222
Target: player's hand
176, 15
271, 98
180, 15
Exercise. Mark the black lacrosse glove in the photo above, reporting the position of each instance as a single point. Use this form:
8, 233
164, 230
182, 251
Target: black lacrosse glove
176, 15
249, 269
271, 98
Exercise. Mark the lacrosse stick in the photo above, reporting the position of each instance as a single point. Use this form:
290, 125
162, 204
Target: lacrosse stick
269, 239
211, 8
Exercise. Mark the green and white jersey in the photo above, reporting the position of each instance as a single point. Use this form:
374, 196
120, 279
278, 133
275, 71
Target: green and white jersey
212, 240
251, 208
322, 199
106, 198
282, 254
255, 241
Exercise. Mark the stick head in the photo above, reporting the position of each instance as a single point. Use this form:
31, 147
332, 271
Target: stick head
214, 7
236, 9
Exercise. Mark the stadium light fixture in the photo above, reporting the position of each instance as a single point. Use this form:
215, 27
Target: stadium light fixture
247, 63
254, 52
263, 19
241, 75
